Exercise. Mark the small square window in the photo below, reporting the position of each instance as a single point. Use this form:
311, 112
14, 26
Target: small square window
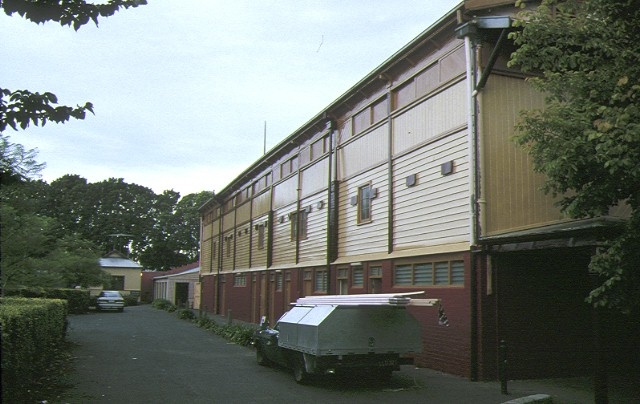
446, 168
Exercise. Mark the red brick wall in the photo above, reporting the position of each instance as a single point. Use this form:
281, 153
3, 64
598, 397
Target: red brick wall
207, 294
446, 348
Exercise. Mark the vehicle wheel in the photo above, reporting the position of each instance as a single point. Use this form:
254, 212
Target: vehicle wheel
260, 358
299, 371
121, 310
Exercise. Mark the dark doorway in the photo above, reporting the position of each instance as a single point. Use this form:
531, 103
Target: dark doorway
182, 294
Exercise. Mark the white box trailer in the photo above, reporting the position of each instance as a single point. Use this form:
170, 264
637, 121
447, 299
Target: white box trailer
326, 334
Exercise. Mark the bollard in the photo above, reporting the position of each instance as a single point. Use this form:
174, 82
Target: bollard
229, 319
502, 357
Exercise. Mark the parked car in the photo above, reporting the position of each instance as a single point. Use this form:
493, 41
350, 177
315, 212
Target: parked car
110, 300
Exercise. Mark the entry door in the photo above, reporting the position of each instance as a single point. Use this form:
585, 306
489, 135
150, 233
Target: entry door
182, 294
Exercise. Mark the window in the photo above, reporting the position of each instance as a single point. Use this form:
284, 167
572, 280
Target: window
289, 166
318, 148
299, 224
375, 279
365, 195
320, 284
442, 273
279, 281
357, 275
308, 282
261, 236
117, 282
239, 280
227, 246
343, 281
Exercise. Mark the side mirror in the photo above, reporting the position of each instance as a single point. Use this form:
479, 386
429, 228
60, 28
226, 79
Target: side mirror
264, 323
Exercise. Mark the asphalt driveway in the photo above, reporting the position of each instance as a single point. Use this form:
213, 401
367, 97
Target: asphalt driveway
146, 355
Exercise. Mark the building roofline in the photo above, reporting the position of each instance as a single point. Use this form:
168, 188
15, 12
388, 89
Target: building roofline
325, 113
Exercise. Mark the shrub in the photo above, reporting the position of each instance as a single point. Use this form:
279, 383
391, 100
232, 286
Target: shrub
161, 304
131, 300
164, 304
186, 314
235, 333
78, 299
32, 332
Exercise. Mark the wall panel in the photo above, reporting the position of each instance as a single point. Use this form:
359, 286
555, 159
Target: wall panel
436, 209
314, 247
284, 249
354, 238
368, 150
512, 189
430, 118
315, 177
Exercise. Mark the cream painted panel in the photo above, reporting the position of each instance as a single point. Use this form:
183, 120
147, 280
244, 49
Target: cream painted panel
206, 231
284, 248
436, 209
243, 245
229, 221
243, 212
285, 192
228, 251
259, 256
432, 117
314, 247
512, 189
315, 177
261, 204
364, 152
354, 238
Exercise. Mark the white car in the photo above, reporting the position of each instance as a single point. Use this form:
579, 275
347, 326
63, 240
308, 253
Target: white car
110, 300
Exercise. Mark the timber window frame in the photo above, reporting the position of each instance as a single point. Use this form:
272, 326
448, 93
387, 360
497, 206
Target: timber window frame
299, 224
320, 280
433, 273
357, 276
239, 280
261, 235
366, 194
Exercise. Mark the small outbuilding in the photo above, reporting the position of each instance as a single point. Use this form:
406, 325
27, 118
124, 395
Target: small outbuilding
178, 285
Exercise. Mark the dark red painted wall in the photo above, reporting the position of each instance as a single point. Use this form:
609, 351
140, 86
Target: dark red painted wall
207, 294
543, 318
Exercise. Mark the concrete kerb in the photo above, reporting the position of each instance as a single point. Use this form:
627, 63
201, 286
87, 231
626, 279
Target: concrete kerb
536, 398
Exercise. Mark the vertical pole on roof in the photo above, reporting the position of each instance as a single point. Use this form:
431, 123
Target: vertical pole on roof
264, 139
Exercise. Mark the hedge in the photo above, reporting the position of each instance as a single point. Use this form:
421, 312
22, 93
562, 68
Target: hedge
78, 299
32, 333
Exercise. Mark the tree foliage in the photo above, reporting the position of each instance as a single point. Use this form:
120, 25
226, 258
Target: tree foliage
20, 108
584, 57
16, 163
33, 254
74, 13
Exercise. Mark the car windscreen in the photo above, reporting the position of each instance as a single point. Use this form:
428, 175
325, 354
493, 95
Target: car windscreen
110, 294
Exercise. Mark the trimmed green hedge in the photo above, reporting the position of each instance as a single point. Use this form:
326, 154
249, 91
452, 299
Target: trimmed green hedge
32, 333
78, 299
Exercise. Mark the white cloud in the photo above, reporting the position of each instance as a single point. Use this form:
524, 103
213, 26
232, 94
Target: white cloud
182, 89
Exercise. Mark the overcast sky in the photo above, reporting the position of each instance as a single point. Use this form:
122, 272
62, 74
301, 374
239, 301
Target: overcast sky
182, 89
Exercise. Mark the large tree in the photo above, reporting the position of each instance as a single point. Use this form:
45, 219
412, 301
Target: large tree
583, 55
20, 108
17, 164
175, 237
